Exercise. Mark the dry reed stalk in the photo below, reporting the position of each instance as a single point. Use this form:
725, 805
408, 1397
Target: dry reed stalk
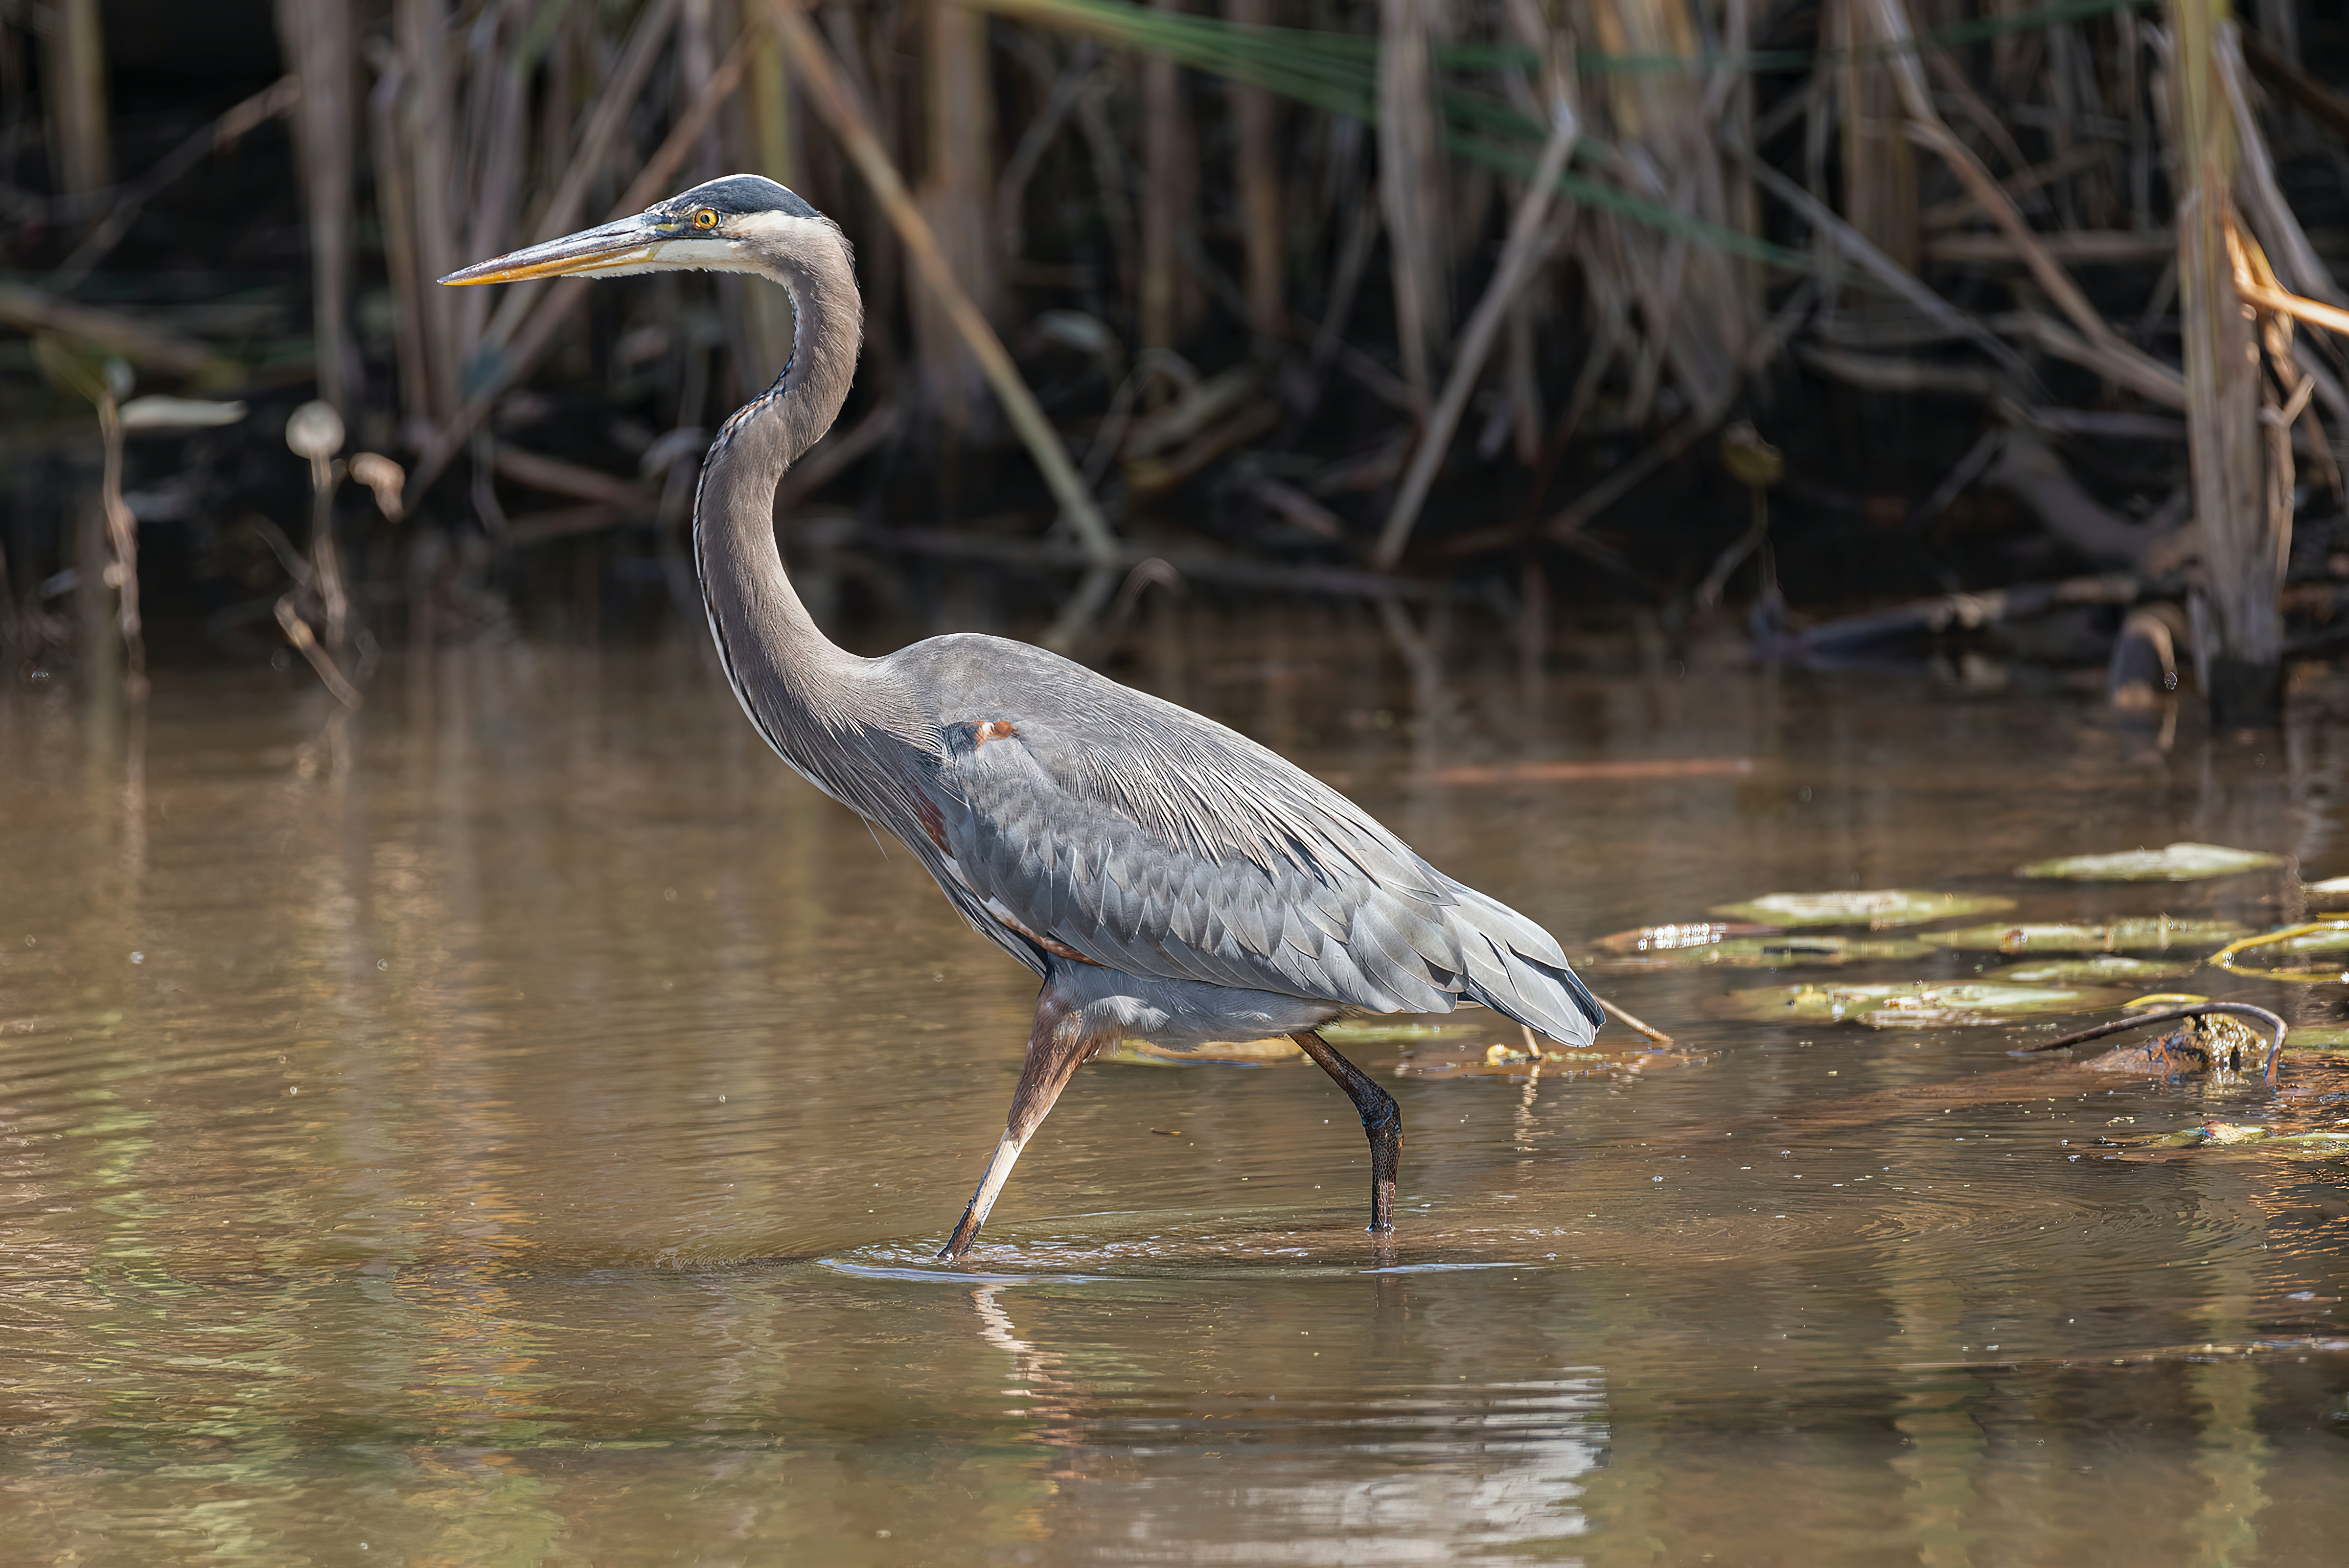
1164, 293
1660, 290
1929, 130
234, 123
1062, 86
2139, 373
2279, 24
537, 333
1903, 283
1256, 172
427, 113
616, 99
33, 310
2310, 96
2243, 548
2256, 280
76, 91
1670, 130
957, 199
395, 208
1110, 184
772, 150
2261, 196
1962, 208
496, 147
828, 95
1743, 206
1530, 243
1412, 189
317, 38
696, 61
1879, 172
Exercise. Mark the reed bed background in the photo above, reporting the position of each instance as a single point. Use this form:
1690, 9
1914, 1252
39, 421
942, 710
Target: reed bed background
1892, 321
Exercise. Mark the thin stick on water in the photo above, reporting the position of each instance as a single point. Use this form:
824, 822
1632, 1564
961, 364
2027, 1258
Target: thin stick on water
1650, 1030
2258, 1015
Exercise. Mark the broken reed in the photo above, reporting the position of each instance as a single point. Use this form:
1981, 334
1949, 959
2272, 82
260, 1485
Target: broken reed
1226, 179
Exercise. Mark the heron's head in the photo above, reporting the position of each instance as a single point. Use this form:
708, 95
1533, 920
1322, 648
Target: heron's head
743, 223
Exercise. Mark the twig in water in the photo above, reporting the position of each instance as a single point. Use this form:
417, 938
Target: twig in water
1650, 1030
2260, 1016
297, 632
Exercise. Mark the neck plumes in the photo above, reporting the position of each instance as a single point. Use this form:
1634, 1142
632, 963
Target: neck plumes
804, 693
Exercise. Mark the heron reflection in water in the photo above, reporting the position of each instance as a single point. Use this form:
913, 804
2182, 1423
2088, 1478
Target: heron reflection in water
1166, 876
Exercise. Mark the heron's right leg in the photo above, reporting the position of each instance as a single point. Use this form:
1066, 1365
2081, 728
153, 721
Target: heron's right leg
1056, 1048
1382, 1124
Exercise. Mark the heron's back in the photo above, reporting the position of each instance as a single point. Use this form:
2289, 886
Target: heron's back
1084, 820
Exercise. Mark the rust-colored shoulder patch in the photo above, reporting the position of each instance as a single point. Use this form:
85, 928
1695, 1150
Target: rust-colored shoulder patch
933, 825
993, 730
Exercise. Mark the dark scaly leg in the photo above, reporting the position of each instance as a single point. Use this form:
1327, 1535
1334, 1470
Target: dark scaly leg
1056, 1047
1382, 1124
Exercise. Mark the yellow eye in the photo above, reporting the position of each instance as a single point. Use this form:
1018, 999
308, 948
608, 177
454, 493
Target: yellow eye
703, 218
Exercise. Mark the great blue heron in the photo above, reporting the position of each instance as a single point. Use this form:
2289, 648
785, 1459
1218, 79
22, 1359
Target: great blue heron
1167, 877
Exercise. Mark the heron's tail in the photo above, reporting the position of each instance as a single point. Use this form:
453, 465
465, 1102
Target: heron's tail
1517, 969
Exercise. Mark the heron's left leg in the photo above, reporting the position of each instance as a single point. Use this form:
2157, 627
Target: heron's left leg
1057, 1046
1382, 1124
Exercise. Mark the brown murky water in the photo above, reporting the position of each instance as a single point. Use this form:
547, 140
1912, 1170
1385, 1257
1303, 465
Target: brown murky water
527, 1145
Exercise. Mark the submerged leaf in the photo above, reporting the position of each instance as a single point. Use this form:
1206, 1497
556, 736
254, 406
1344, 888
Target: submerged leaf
2171, 863
1874, 909
2105, 969
1465, 1060
2319, 937
2317, 1042
1376, 1032
2155, 933
1689, 934
2231, 1134
1915, 1003
1782, 951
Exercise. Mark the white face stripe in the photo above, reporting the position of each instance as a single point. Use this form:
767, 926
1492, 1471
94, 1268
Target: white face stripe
723, 249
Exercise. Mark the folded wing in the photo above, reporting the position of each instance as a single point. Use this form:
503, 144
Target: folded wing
1136, 835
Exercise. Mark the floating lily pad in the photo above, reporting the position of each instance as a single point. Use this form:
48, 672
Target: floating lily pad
2105, 969
1269, 1052
1874, 909
1783, 951
2157, 934
2171, 863
1915, 1003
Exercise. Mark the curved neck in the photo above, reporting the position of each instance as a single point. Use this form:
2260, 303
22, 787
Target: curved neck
797, 686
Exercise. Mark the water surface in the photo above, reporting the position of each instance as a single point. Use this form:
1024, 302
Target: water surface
517, 1129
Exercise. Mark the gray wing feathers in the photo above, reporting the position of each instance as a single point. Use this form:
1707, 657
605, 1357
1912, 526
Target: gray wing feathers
1159, 843
1515, 968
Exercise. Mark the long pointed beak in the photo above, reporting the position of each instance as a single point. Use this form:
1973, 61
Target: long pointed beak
625, 246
